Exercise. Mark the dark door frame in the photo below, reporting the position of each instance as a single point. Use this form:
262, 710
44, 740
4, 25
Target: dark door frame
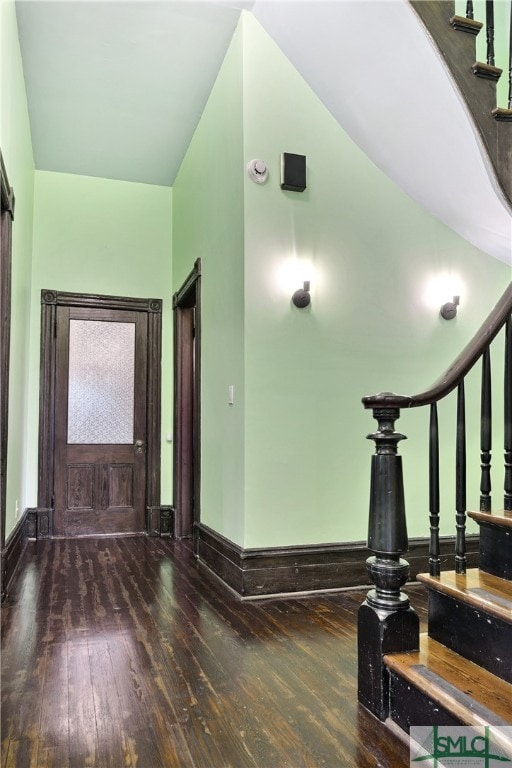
187, 421
50, 300
6, 218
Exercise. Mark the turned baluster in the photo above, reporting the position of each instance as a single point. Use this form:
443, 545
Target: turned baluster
510, 61
485, 434
469, 10
460, 483
489, 28
434, 559
508, 417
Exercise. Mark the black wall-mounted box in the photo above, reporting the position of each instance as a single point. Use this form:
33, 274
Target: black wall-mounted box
293, 172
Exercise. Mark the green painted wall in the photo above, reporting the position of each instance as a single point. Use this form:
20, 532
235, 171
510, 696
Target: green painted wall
289, 463
370, 253
101, 236
16, 146
208, 223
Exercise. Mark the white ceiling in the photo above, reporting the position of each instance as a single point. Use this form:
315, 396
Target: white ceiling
116, 89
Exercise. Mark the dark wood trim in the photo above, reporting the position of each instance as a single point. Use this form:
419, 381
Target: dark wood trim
50, 300
153, 416
182, 295
309, 568
166, 522
197, 400
6, 191
44, 523
6, 217
188, 297
46, 404
153, 521
13, 551
95, 301
222, 556
160, 521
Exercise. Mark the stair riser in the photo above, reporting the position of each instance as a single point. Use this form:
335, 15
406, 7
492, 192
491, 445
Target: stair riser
411, 707
496, 550
471, 632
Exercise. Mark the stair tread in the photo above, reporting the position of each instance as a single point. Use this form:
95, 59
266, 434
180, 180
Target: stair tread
479, 589
496, 518
490, 697
466, 25
502, 114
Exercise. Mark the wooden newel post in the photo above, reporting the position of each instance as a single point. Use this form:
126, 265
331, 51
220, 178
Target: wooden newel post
386, 622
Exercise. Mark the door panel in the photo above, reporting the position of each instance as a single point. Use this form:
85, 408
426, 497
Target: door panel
100, 421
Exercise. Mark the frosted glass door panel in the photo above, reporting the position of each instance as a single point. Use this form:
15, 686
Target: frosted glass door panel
101, 382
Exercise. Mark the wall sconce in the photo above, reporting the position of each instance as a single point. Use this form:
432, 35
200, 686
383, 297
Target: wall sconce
449, 310
302, 297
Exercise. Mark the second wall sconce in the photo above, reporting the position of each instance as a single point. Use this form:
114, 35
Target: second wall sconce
449, 310
302, 297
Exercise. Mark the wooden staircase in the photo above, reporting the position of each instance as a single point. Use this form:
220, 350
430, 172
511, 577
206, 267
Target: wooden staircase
462, 672
459, 673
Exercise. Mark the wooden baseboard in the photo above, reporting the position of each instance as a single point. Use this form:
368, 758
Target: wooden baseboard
160, 521
13, 550
44, 518
315, 568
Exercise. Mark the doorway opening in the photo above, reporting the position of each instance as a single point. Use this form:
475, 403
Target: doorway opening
187, 399
99, 428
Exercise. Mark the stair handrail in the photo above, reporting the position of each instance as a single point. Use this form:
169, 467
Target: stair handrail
458, 369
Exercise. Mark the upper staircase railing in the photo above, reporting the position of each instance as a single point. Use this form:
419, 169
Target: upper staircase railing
386, 621
491, 69
455, 37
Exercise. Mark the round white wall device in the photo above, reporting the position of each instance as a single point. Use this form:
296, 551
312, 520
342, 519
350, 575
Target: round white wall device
257, 171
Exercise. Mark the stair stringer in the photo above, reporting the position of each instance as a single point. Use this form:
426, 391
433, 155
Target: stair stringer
458, 50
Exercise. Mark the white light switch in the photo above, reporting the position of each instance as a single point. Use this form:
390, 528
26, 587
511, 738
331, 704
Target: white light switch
231, 394
168, 437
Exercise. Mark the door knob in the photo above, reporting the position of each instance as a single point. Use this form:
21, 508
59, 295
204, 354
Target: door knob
138, 446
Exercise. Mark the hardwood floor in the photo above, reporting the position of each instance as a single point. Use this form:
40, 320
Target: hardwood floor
123, 652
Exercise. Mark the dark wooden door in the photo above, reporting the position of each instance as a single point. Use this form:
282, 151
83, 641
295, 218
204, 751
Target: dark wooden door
100, 421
